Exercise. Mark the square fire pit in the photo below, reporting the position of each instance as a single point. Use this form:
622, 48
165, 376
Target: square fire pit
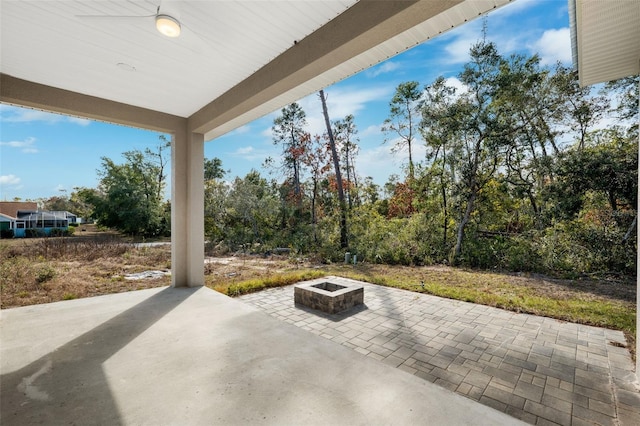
329, 294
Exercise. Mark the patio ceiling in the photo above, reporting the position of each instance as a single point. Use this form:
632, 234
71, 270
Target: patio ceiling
234, 61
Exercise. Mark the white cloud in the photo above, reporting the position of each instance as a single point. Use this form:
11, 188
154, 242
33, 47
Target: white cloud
251, 154
384, 68
377, 162
9, 180
267, 133
244, 151
27, 146
373, 130
380, 162
11, 114
554, 46
458, 50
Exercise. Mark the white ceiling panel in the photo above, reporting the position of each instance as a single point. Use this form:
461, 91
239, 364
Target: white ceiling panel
222, 43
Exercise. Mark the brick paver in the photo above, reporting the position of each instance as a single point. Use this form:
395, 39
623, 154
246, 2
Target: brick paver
537, 369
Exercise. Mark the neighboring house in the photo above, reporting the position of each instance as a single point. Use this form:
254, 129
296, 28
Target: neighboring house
26, 220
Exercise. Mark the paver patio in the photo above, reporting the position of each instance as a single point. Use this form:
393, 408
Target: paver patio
537, 369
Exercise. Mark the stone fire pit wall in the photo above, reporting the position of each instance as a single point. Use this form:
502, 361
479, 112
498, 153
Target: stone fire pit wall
329, 294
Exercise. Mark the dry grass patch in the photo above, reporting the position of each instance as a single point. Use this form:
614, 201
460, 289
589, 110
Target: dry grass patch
52, 269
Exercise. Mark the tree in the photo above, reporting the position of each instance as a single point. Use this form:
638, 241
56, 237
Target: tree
215, 194
608, 163
213, 169
315, 158
344, 242
403, 119
288, 131
626, 90
582, 109
474, 123
251, 211
345, 134
436, 130
73, 203
533, 107
130, 196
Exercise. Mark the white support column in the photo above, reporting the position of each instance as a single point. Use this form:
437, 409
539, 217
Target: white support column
187, 209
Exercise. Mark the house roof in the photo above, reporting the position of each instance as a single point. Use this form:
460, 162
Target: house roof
234, 61
10, 208
605, 37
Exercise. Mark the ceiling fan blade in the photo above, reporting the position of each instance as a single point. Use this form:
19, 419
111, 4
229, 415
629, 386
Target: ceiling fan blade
114, 16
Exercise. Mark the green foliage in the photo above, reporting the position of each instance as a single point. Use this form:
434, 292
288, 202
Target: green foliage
34, 233
278, 280
130, 197
213, 169
378, 239
45, 273
59, 232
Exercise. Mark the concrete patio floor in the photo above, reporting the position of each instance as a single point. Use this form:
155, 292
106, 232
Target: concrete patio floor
537, 369
195, 357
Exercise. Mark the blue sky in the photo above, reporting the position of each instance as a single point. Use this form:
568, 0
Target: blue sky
42, 154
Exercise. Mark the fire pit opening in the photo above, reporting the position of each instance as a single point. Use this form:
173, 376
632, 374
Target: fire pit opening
329, 294
329, 286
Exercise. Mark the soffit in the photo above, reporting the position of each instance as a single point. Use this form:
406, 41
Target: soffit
606, 39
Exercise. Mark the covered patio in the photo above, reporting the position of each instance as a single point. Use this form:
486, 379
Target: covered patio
186, 355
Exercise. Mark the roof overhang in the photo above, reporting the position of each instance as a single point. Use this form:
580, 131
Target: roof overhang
605, 39
257, 56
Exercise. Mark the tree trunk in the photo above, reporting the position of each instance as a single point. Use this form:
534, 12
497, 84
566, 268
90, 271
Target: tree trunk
313, 209
348, 176
344, 243
443, 187
463, 224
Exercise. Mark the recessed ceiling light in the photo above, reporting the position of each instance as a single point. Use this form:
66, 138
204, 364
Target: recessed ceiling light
168, 25
125, 67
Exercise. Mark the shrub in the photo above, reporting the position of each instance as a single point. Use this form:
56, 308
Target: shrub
6, 233
34, 233
57, 232
44, 274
